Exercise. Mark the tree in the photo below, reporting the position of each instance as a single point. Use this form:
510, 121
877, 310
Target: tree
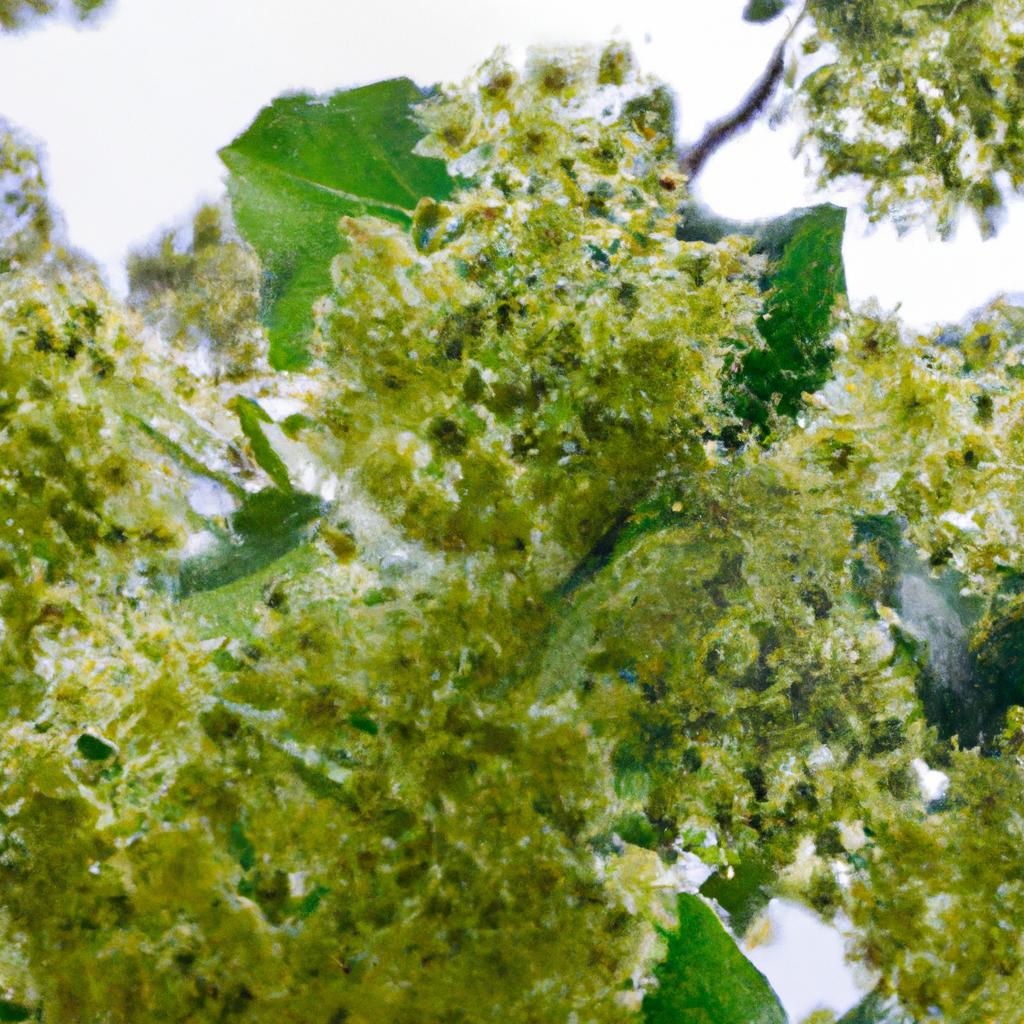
465, 545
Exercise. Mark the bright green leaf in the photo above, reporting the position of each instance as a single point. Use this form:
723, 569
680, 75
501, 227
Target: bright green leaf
705, 979
305, 162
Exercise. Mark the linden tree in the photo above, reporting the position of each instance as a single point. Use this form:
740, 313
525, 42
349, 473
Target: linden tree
466, 579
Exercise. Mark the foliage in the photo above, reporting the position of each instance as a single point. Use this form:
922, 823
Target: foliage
688, 993
515, 386
923, 102
205, 300
598, 546
969, 858
25, 215
301, 165
804, 283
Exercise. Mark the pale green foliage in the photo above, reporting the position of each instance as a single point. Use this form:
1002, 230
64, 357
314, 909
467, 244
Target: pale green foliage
924, 102
93, 668
514, 377
205, 299
941, 906
500, 635
710, 668
70, 483
931, 429
26, 220
379, 815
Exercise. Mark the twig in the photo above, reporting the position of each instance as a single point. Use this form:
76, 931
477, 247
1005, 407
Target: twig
719, 132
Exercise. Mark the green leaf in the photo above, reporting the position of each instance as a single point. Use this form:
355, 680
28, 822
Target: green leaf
705, 978
807, 281
379, 595
804, 282
745, 894
764, 10
13, 1011
311, 901
267, 525
296, 423
635, 828
240, 847
92, 748
227, 610
250, 415
363, 723
305, 162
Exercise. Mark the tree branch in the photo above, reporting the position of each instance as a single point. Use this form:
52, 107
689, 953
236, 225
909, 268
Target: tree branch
719, 132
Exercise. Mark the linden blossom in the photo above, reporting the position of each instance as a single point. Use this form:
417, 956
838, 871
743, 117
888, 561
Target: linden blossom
520, 679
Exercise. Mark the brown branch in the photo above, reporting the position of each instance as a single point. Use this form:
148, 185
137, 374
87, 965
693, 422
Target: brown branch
719, 132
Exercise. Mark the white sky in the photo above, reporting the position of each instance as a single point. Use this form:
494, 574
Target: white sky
133, 111
804, 960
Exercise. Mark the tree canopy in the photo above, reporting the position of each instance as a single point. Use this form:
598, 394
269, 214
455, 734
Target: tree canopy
466, 580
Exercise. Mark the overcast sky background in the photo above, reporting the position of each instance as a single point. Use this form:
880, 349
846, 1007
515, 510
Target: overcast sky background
133, 110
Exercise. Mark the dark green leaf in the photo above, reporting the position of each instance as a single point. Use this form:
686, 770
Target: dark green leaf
745, 894
807, 281
975, 710
311, 901
764, 10
92, 748
305, 162
13, 1011
268, 525
803, 284
705, 979
240, 847
363, 724
250, 416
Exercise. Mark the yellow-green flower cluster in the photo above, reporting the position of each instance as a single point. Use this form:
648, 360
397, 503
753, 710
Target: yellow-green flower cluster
449, 752
513, 377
